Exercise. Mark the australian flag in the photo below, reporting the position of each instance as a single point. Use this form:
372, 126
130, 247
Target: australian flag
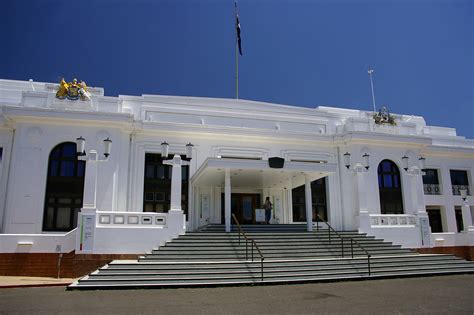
237, 28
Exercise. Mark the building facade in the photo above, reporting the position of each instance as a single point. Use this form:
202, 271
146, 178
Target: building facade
390, 176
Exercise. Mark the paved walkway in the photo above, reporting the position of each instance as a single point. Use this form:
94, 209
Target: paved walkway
427, 295
14, 282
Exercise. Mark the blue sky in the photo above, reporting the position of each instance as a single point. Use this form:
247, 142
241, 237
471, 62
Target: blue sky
302, 53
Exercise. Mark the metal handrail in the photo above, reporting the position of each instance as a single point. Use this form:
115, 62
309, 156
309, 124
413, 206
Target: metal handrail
252, 242
342, 241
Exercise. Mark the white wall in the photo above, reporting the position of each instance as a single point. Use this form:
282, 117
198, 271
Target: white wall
32, 146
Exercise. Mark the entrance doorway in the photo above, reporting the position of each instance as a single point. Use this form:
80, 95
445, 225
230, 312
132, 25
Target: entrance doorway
242, 206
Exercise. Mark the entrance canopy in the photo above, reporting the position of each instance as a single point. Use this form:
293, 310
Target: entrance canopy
258, 174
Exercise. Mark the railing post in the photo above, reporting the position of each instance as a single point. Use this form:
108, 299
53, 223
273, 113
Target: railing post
342, 246
252, 251
262, 267
352, 249
246, 250
329, 232
368, 263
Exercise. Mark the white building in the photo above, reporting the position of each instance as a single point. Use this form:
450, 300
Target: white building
126, 199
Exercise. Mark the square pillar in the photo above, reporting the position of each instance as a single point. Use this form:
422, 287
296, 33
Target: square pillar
227, 203
309, 204
466, 217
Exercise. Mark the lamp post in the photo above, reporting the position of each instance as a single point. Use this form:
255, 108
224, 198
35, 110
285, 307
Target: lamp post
90, 178
414, 170
359, 171
468, 225
358, 167
176, 162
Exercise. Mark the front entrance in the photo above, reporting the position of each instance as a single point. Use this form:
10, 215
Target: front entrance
242, 206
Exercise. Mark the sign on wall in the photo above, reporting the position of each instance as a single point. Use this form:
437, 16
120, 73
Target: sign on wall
260, 215
425, 231
87, 233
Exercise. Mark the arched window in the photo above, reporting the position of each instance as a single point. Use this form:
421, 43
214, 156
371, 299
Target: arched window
64, 188
390, 188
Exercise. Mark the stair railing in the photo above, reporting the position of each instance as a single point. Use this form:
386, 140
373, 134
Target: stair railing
252, 245
330, 228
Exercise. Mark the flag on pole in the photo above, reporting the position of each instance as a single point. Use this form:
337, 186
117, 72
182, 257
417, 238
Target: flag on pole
237, 28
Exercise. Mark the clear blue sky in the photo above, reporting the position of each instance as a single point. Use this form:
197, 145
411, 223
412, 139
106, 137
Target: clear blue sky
303, 53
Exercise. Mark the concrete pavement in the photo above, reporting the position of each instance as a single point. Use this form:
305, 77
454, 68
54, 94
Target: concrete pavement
426, 295
19, 281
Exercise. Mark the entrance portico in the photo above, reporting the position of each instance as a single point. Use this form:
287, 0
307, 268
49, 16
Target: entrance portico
232, 173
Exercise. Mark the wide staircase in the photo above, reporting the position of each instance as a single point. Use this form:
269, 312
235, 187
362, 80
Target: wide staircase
268, 254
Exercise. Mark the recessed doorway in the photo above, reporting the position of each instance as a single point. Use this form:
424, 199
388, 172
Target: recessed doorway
242, 206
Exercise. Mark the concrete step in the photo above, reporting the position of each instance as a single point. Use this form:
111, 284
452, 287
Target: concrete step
213, 257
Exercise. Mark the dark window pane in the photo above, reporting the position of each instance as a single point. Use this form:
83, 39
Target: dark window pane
49, 217
389, 188
55, 153
436, 223
157, 183
150, 171
431, 177
459, 177
76, 214
184, 173
161, 172
81, 168
387, 181
53, 168
459, 222
67, 168
63, 218
62, 193
69, 150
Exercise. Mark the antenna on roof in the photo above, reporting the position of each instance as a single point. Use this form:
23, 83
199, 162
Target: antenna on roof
370, 71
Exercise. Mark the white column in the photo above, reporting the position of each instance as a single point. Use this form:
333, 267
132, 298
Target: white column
227, 200
176, 183
419, 192
466, 217
309, 203
90, 182
361, 191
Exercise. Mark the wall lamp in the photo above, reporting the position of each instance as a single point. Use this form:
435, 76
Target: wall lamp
165, 150
421, 161
81, 147
365, 157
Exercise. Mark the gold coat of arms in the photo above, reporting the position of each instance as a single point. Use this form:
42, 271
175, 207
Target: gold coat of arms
73, 90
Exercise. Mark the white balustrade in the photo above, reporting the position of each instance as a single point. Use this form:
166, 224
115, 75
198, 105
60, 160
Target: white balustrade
131, 219
392, 220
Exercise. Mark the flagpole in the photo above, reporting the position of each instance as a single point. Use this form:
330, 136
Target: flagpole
372, 86
236, 55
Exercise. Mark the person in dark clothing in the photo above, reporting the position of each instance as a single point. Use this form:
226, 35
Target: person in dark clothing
268, 210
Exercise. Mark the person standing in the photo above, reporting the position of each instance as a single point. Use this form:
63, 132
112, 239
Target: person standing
268, 210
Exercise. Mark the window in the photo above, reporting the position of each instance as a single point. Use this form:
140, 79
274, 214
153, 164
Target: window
436, 223
458, 177
459, 181
318, 192
431, 182
64, 188
431, 177
459, 222
157, 185
390, 188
